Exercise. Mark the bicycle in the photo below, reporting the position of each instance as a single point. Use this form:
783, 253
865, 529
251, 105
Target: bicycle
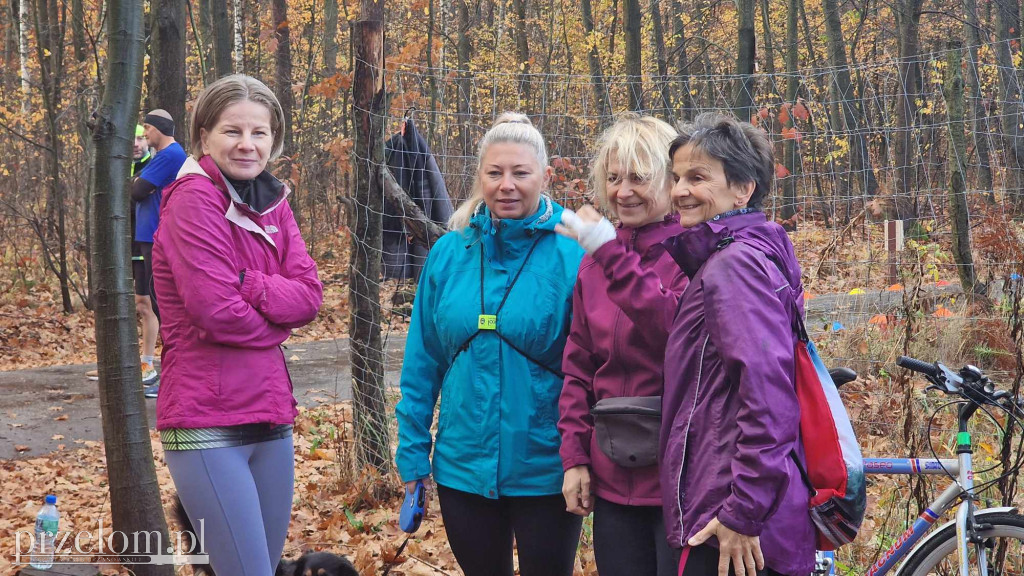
979, 542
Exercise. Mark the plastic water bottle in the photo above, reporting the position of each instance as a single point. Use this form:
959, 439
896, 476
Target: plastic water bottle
46, 532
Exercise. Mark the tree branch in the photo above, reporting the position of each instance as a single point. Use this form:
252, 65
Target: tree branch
424, 230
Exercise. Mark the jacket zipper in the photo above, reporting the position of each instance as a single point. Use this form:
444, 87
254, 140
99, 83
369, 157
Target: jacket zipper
686, 437
626, 383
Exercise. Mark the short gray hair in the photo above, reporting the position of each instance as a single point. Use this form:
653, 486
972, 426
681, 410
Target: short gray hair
743, 149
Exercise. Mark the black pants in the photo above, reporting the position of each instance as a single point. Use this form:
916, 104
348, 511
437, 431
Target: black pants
703, 561
630, 541
480, 532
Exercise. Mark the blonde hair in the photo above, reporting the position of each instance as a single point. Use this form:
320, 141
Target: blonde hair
639, 144
230, 90
512, 128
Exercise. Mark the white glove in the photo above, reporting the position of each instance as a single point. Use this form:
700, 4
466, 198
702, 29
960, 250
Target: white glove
590, 235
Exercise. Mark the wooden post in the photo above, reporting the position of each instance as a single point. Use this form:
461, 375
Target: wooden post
893, 246
367, 353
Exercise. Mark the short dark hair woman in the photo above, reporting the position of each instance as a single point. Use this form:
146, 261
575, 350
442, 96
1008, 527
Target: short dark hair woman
733, 495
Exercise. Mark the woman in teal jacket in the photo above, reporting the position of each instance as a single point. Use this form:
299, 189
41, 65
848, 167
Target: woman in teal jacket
489, 324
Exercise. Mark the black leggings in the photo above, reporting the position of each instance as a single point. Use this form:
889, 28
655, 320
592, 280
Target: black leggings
703, 561
480, 532
630, 541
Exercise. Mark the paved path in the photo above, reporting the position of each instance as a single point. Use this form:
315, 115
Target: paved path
320, 372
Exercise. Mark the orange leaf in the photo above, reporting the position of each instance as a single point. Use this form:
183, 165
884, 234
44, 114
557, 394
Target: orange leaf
879, 319
942, 312
781, 171
784, 114
895, 288
763, 113
800, 111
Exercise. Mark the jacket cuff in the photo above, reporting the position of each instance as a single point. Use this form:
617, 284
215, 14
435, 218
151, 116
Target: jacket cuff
736, 524
574, 461
608, 253
417, 472
252, 289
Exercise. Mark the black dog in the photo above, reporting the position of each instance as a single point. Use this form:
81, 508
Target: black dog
309, 564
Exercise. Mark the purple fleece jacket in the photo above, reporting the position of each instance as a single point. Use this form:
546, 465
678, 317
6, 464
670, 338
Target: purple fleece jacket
730, 413
222, 364
625, 297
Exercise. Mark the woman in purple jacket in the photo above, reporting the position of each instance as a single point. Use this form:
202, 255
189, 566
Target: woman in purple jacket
734, 499
234, 279
626, 294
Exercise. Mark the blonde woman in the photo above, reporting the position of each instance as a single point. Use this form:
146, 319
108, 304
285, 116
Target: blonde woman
488, 329
625, 297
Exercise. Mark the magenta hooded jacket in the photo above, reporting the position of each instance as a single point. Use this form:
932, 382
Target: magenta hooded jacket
222, 363
625, 297
730, 417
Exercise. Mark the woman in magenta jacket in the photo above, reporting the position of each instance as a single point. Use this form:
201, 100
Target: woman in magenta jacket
233, 278
624, 301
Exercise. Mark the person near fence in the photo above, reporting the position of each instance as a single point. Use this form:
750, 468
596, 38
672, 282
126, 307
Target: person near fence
626, 294
488, 329
147, 187
734, 499
234, 279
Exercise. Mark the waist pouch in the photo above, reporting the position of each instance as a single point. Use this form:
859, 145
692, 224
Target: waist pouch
627, 429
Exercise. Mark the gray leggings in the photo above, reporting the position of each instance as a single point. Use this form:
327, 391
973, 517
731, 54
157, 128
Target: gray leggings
244, 497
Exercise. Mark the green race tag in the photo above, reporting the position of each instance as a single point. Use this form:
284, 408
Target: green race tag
487, 322
963, 438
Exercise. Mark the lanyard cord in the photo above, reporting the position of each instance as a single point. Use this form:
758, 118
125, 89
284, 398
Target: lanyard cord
514, 278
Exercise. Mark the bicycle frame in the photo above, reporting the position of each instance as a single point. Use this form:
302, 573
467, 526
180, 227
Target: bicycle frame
962, 469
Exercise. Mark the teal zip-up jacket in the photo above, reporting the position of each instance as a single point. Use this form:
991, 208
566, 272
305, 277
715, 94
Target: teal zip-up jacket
496, 432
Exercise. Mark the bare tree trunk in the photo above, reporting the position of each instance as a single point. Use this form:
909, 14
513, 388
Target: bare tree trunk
522, 51
369, 406
661, 53
958, 211
789, 157
78, 29
49, 28
594, 59
134, 492
23, 51
632, 27
746, 53
167, 87
283, 70
222, 38
1009, 96
238, 21
464, 52
11, 14
979, 114
331, 38
859, 157
204, 38
682, 59
906, 110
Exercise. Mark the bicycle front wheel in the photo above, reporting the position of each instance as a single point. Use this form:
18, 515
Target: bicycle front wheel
1003, 550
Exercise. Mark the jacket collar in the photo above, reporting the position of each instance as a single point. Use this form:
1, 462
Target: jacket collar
238, 212
644, 237
692, 248
508, 239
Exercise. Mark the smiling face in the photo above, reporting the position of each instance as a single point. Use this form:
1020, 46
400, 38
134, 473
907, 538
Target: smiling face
634, 199
700, 190
241, 141
512, 180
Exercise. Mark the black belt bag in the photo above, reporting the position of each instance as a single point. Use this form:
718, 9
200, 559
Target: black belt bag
627, 429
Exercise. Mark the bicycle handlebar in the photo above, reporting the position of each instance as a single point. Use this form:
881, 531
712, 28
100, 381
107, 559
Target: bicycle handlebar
918, 366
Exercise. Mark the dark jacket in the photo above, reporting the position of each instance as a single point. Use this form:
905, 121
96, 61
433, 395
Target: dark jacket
625, 298
731, 417
411, 163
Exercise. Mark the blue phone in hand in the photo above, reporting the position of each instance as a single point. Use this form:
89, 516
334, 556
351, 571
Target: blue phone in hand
412, 509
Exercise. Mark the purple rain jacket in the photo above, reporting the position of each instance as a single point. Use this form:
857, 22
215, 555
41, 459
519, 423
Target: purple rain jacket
625, 297
222, 360
730, 419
